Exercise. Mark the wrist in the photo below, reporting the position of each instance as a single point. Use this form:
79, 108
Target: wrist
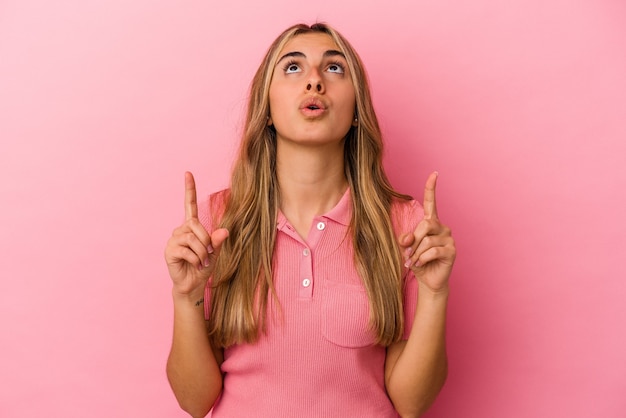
432, 305
194, 298
425, 292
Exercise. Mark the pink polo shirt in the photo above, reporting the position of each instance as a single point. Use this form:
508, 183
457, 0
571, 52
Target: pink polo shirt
320, 360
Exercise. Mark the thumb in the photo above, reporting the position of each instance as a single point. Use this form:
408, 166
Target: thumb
217, 239
406, 239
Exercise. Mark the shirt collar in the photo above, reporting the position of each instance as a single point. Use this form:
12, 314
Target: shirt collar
341, 213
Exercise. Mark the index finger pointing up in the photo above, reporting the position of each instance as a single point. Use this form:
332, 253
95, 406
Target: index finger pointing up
191, 204
430, 204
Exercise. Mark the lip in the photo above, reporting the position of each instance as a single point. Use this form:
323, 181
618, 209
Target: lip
312, 106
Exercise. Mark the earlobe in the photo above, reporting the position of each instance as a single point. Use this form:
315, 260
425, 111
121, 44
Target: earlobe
269, 121
355, 122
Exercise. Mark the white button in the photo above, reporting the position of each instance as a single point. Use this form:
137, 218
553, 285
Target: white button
306, 252
306, 282
321, 226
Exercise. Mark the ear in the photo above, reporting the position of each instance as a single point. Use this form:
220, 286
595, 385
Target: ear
269, 121
355, 122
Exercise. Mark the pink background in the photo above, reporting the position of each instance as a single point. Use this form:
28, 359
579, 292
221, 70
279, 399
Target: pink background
520, 105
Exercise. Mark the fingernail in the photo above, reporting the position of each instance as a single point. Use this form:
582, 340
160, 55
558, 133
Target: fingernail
407, 264
437, 173
200, 267
206, 262
417, 263
407, 252
209, 248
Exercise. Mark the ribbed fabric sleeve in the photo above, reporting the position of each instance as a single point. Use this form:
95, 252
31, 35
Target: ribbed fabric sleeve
206, 219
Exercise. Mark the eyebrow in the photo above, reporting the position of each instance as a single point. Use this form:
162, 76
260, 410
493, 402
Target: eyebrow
329, 53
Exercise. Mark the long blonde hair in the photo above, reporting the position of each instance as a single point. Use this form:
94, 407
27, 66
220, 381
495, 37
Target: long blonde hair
242, 281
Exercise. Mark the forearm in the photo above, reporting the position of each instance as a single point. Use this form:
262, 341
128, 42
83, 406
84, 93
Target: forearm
416, 369
192, 368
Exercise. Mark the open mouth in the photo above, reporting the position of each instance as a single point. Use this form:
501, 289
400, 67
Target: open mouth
313, 104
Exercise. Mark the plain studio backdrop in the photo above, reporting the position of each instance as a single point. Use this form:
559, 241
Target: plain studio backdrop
520, 105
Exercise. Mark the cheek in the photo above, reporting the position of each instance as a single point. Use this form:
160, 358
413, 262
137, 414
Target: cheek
276, 100
348, 107
272, 98
278, 109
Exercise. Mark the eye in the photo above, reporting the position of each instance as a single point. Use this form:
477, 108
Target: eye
292, 67
336, 67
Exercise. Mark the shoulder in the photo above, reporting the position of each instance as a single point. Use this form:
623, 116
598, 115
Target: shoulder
217, 201
405, 214
211, 208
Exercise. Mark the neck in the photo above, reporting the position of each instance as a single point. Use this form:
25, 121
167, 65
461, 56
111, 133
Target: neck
312, 181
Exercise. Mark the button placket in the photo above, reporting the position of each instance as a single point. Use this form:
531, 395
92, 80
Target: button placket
306, 260
306, 274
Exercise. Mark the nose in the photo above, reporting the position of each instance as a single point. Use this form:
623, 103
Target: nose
318, 87
315, 82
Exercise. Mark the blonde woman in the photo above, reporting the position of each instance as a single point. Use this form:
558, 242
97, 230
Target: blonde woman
309, 288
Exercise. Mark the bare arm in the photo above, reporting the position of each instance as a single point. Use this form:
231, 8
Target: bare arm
193, 365
416, 369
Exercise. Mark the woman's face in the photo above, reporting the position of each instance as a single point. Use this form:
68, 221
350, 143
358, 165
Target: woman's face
311, 95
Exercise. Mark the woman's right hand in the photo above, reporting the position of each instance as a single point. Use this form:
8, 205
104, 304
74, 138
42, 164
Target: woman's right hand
191, 251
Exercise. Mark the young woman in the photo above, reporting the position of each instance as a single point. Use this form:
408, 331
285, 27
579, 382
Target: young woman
309, 287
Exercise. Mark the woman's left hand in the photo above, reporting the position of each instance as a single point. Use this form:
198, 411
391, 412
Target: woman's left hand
430, 251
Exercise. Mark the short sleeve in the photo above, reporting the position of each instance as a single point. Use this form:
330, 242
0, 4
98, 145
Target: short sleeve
210, 210
204, 214
405, 217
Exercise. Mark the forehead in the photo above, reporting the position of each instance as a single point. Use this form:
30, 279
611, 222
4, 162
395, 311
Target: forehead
311, 42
